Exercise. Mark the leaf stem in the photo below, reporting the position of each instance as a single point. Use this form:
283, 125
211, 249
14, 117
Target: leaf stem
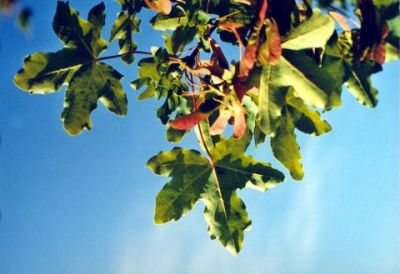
200, 137
123, 54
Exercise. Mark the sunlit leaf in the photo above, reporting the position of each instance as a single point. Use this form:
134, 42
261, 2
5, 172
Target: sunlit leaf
286, 149
359, 83
90, 83
311, 33
162, 6
194, 178
122, 30
310, 120
76, 65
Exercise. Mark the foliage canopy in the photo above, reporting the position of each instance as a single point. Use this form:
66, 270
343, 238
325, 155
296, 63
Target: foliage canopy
294, 58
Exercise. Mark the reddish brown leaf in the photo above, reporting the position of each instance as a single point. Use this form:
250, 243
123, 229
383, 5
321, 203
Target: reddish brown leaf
161, 6
249, 57
341, 20
239, 85
380, 53
371, 34
275, 43
250, 54
220, 124
242, 85
219, 55
239, 125
271, 50
188, 121
233, 27
263, 6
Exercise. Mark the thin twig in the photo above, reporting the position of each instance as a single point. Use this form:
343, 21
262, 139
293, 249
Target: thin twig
123, 54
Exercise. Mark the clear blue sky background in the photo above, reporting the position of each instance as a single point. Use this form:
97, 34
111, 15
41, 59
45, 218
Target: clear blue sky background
83, 205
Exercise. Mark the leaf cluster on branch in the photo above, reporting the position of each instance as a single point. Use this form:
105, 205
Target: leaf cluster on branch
293, 60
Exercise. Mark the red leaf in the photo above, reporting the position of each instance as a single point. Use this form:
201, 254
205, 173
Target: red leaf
188, 121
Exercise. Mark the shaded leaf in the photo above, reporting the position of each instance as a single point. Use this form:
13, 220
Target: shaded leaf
180, 38
78, 33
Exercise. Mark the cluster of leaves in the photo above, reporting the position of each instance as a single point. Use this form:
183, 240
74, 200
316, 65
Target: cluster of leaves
293, 61
23, 15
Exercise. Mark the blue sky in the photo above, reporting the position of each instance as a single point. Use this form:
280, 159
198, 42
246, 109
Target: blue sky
78, 205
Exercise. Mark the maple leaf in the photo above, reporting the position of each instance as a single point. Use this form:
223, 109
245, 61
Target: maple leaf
76, 65
215, 182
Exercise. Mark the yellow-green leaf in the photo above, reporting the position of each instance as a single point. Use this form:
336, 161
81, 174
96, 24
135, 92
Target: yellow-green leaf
313, 32
286, 149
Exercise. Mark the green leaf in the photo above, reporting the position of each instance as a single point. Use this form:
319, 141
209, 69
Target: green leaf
122, 30
334, 63
270, 101
392, 49
90, 83
313, 32
169, 22
47, 72
24, 18
180, 194
285, 147
309, 121
163, 79
310, 82
174, 135
76, 65
180, 38
359, 83
77, 33
195, 178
